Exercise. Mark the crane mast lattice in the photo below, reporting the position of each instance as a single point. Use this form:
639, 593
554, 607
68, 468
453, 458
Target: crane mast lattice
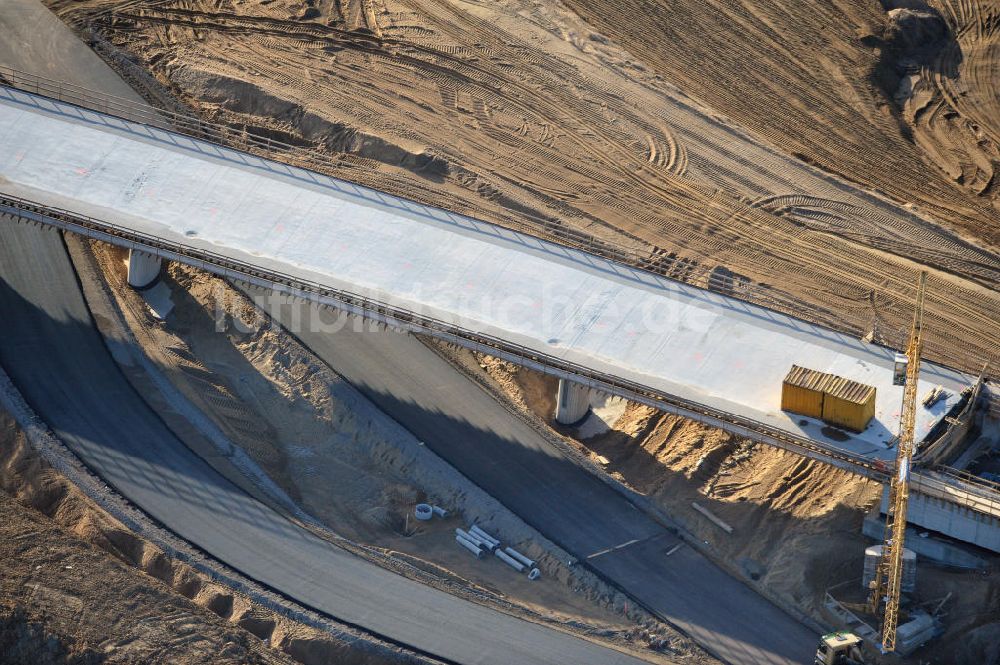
889, 574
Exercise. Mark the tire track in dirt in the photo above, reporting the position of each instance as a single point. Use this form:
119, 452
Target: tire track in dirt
761, 62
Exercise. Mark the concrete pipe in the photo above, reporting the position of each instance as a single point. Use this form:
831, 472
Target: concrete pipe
487, 544
469, 545
484, 535
510, 561
143, 269
465, 534
423, 512
482, 542
439, 511
520, 557
534, 574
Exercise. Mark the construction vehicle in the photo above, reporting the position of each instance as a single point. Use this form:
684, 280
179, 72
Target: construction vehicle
840, 648
887, 586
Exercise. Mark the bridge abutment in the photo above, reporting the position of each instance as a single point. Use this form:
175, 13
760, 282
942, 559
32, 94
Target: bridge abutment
572, 402
951, 519
143, 268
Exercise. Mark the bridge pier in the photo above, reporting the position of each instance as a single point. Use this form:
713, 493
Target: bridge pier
572, 402
143, 268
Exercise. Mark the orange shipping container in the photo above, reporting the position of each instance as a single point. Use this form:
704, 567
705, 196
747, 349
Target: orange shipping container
803, 390
848, 404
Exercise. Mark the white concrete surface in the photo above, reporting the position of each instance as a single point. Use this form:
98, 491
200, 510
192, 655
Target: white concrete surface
694, 344
605, 410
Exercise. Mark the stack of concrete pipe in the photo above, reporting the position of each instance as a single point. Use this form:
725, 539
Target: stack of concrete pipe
469, 543
476, 540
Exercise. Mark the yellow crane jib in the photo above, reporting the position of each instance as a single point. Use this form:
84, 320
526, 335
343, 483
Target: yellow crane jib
886, 587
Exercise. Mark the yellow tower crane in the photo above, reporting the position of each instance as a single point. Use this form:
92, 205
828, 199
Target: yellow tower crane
889, 575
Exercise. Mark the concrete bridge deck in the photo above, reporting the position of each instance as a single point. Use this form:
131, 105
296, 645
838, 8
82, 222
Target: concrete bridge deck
599, 322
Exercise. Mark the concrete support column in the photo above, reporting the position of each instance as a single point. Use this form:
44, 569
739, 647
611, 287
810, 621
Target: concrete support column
143, 268
572, 402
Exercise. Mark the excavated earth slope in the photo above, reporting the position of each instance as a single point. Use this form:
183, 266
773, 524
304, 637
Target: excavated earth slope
77, 587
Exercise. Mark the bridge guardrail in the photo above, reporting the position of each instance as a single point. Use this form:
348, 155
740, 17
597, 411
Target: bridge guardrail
373, 309
979, 497
966, 478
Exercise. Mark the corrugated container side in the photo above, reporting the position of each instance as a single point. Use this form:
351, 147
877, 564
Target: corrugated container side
802, 391
804, 401
847, 414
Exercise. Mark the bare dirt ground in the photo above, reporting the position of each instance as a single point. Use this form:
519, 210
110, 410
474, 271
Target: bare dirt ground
682, 129
809, 78
76, 604
796, 523
77, 587
348, 465
946, 64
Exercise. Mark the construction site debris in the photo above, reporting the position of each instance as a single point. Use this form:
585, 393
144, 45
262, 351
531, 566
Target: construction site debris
494, 542
476, 540
934, 396
712, 518
468, 544
916, 632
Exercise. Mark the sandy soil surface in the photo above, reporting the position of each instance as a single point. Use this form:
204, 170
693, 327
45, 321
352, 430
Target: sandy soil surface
810, 77
945, 62
530, 113
796, 523
77, 587
348, 465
